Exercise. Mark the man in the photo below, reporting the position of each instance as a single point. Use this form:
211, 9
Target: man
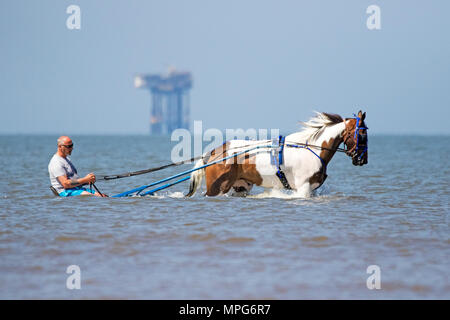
63, 174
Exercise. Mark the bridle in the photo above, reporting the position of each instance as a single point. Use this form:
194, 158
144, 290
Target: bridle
354, 150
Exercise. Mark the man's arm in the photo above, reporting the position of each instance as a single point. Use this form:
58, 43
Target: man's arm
72, 183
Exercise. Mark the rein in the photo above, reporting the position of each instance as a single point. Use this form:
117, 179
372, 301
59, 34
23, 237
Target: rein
139, 172
299, 144
188, 161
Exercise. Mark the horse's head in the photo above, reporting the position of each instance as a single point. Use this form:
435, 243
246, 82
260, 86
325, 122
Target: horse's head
355, 139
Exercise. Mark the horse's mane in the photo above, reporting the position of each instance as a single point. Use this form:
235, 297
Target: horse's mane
314, 127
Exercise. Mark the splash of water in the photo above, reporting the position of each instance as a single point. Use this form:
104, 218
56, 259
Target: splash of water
267, 193
177, 195
280, 194
294, 194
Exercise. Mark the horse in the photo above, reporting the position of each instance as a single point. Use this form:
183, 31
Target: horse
297, 162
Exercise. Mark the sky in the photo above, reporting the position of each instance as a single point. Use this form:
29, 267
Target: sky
255, 63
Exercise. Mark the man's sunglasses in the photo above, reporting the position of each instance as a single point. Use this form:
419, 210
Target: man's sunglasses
69, 146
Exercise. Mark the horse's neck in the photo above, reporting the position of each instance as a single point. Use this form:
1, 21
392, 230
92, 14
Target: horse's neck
329, 139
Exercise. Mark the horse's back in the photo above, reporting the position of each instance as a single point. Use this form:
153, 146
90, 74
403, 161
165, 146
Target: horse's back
235, 146
263, 159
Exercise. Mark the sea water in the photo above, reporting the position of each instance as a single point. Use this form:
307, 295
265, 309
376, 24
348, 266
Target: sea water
392, 214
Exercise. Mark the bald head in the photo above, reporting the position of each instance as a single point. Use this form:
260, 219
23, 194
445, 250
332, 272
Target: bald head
65, 146
64, 140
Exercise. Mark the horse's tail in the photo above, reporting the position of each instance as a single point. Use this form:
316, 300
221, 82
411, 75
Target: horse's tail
196, 178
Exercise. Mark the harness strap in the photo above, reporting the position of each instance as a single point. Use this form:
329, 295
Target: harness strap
280, 174
283, 180
280, 153
308, 148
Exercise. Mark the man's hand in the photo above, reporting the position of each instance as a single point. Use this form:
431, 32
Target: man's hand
90, 178
72, 183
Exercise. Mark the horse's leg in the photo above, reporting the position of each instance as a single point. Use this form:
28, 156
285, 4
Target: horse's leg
220, 179
213, 182
303, 188
212, 191
230, 179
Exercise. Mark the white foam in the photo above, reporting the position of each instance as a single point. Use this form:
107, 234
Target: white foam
177, 195
278, 193
267, 193
286, 194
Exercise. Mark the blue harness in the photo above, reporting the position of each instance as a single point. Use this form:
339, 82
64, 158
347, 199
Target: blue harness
280, 174
356, 136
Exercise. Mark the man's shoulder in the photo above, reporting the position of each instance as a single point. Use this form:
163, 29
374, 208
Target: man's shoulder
56, 160
55, 157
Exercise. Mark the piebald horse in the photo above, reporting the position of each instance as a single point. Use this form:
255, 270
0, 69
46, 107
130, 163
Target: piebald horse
298, 162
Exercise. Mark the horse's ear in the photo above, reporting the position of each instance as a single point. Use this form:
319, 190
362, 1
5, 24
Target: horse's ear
363, 116
360, 115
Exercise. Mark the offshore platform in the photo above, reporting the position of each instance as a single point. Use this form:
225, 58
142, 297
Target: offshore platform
170, 100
